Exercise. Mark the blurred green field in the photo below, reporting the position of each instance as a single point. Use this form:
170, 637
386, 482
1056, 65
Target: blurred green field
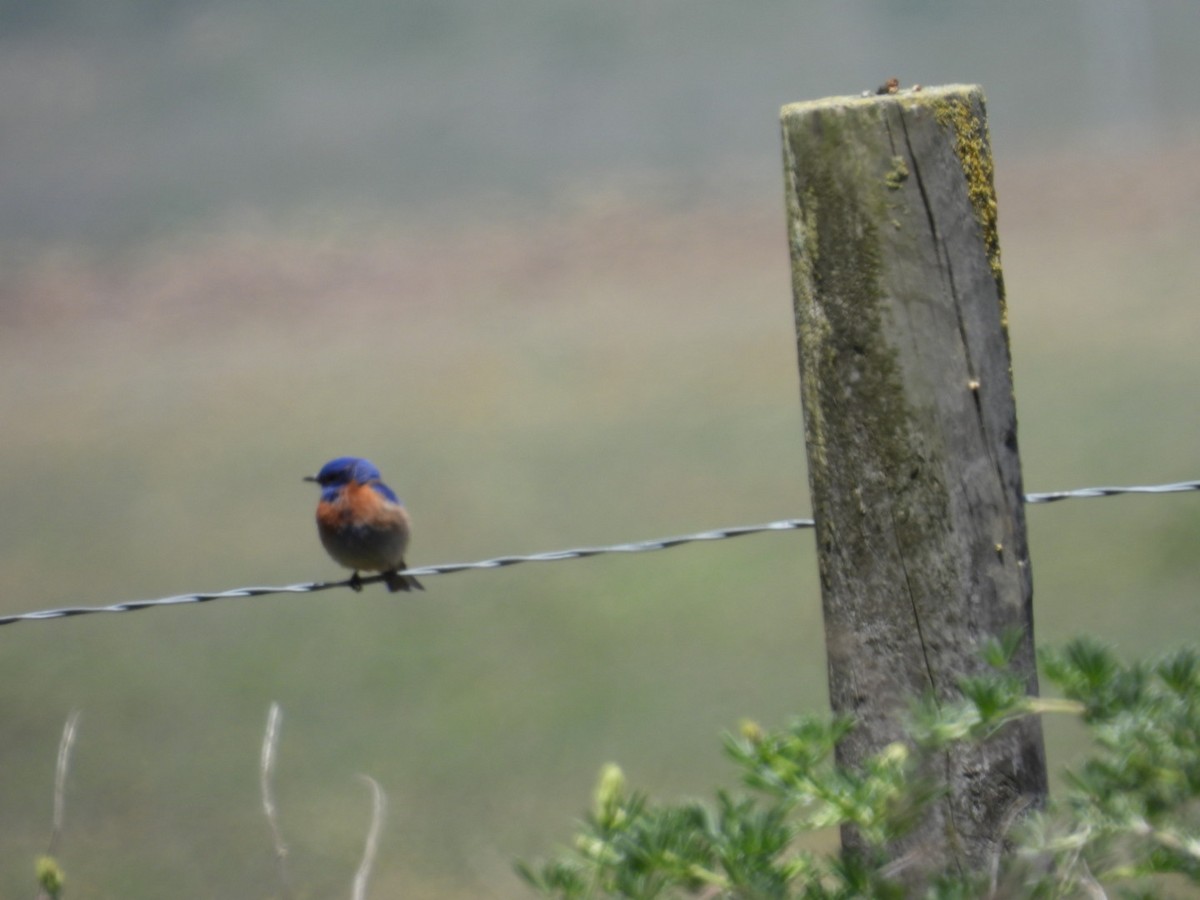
608, 372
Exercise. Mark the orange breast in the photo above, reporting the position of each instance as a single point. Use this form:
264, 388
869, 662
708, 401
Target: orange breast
362, 529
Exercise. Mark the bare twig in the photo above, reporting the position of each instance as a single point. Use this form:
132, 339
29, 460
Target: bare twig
266, 772
378, 814
1094, 889
1014, 812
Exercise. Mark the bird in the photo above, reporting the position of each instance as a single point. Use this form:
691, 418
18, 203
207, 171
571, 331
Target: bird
362, 523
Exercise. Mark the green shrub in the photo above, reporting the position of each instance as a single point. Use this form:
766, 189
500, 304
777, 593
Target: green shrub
1127, 819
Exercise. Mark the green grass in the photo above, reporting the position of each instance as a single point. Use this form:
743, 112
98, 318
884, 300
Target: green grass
621, 374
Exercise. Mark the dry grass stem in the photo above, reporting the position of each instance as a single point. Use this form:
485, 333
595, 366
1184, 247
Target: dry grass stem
60, 780
378, 814
266, 773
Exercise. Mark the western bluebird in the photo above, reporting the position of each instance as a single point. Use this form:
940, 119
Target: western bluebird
362, 523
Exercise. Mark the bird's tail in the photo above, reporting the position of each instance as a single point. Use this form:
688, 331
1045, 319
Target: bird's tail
397, 582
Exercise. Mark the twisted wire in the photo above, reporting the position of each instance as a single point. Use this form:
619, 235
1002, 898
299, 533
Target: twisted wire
717, 534
1173, 488
442, 569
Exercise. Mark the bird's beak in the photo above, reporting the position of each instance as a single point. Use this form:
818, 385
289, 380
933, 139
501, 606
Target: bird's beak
309, 478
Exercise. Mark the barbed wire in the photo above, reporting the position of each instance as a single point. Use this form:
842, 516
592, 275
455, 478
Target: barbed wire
716, 534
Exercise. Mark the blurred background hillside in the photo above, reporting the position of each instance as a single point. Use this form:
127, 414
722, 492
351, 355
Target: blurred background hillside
529, 258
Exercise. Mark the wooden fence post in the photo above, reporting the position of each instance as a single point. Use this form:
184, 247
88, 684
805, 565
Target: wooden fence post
911, 433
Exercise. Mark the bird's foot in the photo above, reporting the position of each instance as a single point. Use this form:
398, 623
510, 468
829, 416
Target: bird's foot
356, 583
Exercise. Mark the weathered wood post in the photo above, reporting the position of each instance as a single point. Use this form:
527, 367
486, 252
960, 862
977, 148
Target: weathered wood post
911, 431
